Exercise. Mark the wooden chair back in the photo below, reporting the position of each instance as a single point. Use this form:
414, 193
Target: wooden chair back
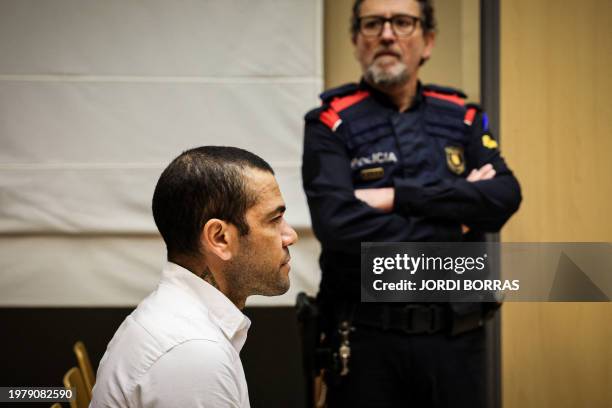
74, 379
85, 365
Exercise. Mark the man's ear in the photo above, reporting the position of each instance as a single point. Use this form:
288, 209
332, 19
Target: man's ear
217, 237
430, 41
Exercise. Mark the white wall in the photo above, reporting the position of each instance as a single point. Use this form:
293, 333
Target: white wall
96, 97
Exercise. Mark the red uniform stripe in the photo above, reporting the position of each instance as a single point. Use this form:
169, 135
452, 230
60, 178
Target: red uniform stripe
329, 117
451, 98
339, 104
469, 116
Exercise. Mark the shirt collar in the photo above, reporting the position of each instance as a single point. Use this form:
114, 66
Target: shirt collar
232, 322
385, 100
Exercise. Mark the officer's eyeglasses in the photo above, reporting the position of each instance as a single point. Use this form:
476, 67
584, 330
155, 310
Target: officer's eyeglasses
403, 25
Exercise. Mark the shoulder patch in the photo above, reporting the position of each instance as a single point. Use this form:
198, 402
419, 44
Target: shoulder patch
489, 142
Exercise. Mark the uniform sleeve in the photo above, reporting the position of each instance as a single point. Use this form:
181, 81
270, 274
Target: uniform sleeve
339, 219
196, 373
483, 205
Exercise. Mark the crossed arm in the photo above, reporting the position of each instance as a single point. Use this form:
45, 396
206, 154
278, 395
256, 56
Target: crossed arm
408, 211
383, 198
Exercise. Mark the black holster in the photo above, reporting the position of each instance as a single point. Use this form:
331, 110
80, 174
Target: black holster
308, 325
470, 316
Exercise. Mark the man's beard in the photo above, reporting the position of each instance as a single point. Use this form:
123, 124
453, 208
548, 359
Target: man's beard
252, 278
387, 78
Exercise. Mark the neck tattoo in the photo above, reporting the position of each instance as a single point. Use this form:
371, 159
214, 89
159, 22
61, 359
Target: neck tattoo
207, 275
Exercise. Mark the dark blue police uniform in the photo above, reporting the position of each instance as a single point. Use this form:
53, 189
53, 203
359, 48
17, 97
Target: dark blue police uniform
358, 139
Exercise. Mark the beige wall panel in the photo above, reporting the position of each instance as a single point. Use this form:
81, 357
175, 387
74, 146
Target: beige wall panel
455, 61
339, 65
445, 66
470, 48
556, 128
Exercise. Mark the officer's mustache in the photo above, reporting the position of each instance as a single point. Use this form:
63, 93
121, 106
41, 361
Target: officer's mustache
386, 51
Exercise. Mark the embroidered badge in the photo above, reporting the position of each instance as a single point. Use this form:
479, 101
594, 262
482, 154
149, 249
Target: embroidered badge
372, 174
489, 142
454, 159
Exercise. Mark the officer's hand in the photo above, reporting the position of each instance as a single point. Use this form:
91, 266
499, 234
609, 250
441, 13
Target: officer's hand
379, 198
486, 172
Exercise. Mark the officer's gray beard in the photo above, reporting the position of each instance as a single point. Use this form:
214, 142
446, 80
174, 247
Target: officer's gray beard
380, 78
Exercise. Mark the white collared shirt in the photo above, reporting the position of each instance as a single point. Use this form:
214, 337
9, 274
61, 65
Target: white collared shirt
179, 348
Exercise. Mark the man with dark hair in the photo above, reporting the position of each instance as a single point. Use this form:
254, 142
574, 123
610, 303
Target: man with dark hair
220, 213
390, 159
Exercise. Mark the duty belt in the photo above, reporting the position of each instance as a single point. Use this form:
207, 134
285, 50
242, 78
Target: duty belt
410, 318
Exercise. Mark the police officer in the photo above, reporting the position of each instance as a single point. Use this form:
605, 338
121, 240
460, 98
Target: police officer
390, 159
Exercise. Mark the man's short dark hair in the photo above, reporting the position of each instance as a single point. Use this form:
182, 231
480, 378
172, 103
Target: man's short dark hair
200, 184
428, 19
